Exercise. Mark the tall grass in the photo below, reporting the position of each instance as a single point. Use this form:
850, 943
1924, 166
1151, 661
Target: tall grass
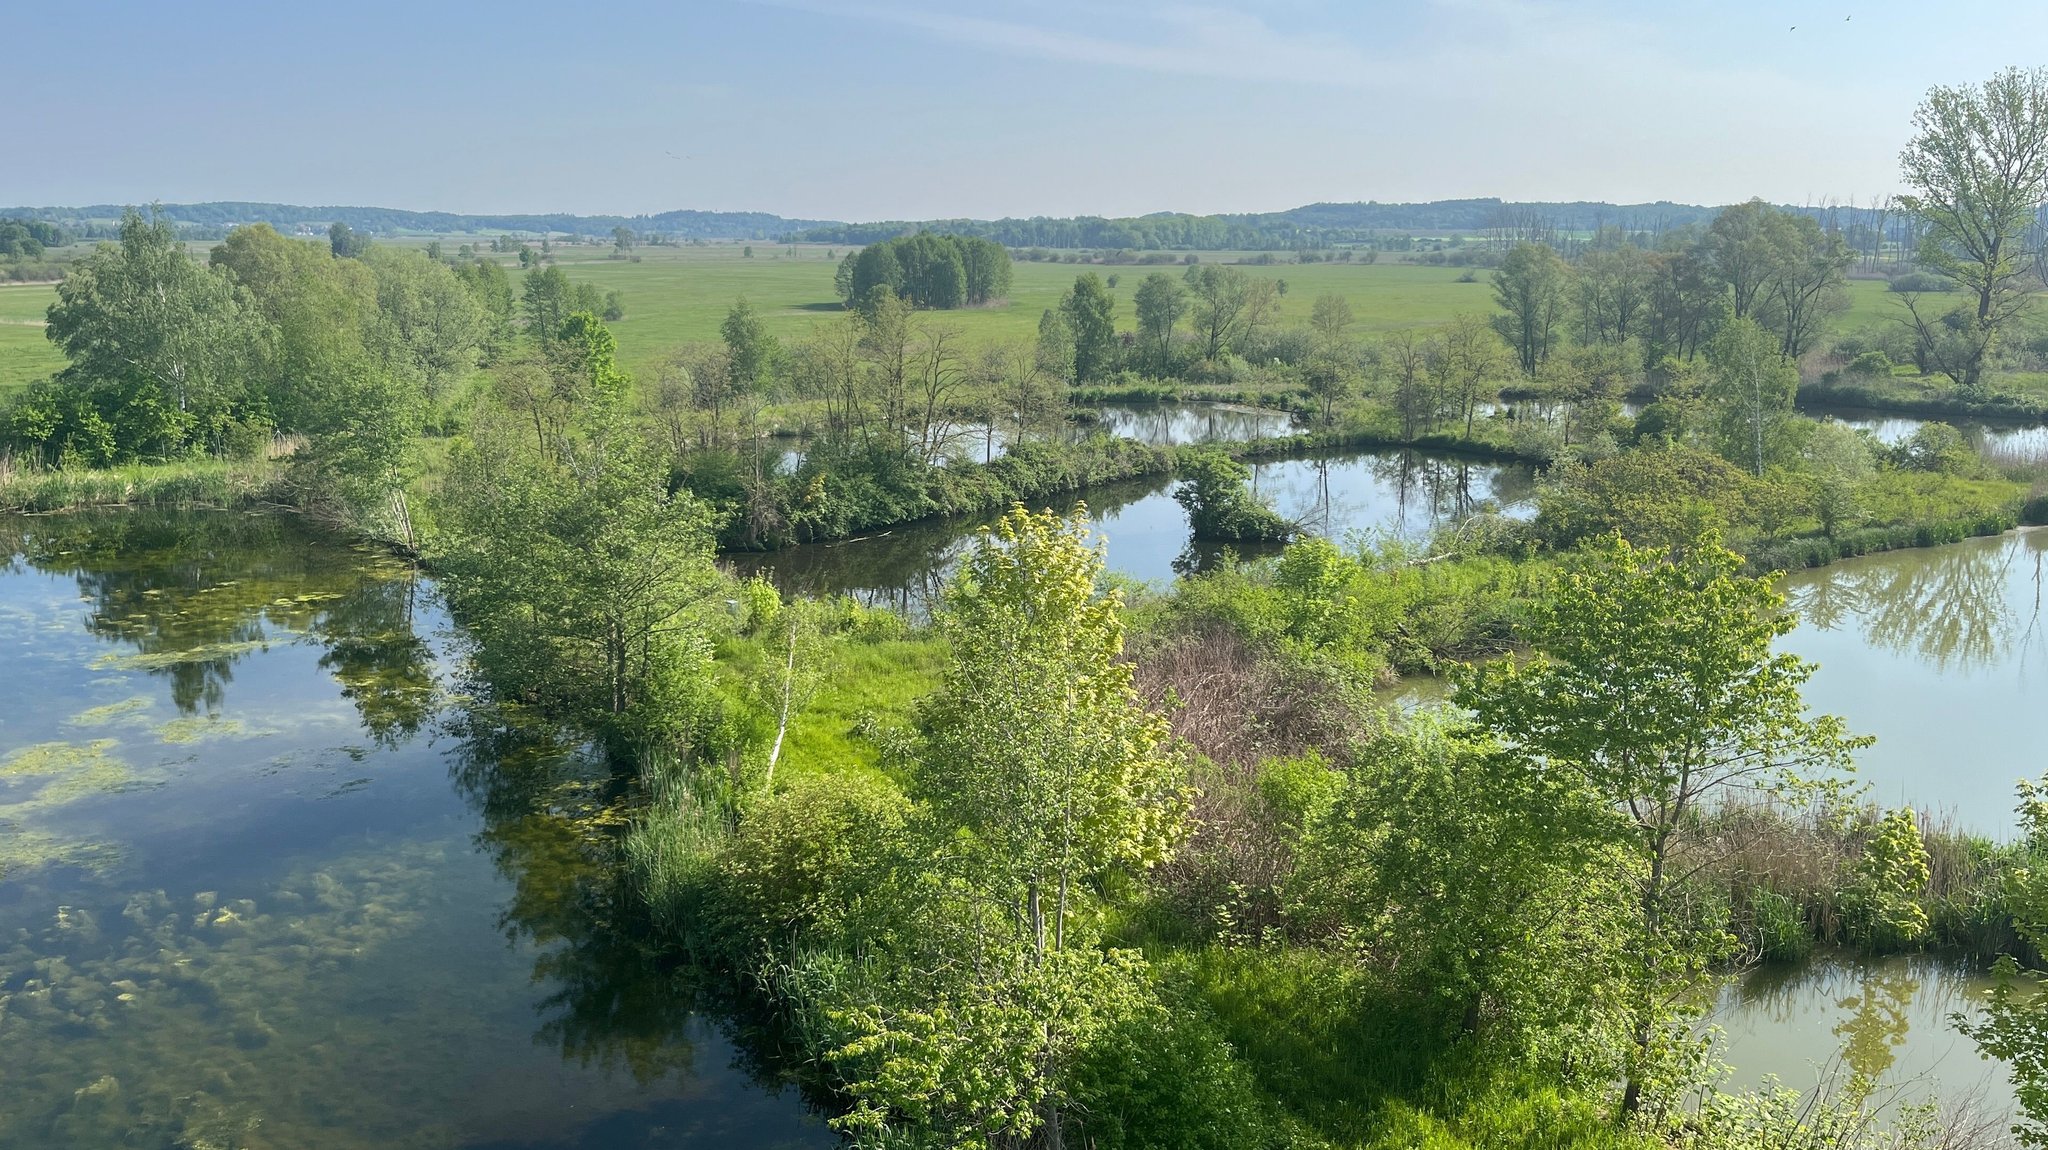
185, 484
669, 848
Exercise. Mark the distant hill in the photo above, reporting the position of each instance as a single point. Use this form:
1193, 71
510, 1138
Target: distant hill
1309, 226
215, 218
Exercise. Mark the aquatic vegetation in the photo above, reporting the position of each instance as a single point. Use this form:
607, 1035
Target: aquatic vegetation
193, 729
110, 714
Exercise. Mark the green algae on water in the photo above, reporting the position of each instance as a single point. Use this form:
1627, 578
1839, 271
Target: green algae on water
110, 714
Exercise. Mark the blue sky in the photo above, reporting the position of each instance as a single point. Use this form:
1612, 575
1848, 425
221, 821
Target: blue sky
865, 109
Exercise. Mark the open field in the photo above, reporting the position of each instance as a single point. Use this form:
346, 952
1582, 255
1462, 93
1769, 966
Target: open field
678, 294
24, 353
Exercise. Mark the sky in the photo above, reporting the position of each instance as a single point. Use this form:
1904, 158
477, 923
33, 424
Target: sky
919, 109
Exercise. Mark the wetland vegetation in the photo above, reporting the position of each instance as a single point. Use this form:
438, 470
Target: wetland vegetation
866, 731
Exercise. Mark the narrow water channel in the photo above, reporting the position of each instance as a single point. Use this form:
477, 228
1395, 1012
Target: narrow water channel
264, 882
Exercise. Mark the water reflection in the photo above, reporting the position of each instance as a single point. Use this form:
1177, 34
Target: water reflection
295, 931
1935, 651
1887, 1021
1401, 494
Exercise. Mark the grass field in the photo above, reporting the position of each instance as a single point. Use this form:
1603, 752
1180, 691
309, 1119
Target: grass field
676, 295
24, 353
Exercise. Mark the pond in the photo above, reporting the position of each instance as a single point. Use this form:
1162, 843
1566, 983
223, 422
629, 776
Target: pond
1400, 494
1996, 439
265, 883
1152, 424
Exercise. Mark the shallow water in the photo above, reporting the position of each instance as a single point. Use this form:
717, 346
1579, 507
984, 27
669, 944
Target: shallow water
265, 885
1399, 494
1890, 1020
1942, 653
2020, 439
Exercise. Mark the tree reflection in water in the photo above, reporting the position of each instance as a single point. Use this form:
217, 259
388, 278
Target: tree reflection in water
1954, 607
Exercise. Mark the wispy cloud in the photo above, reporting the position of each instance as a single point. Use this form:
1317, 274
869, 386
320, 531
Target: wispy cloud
1191, 40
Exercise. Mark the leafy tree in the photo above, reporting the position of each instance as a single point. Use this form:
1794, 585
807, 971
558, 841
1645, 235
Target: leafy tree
1743, 250
1038, 746
491, 287
1055, 347
548, 299
585, 582
1750, 388
1655, 685
1614, 291
1881, 899
622, 239
1090, 312
1841, 460
1220, 298
1978, 168
1330, 319
345, 242
430, 317
160, 351
1216, 492
1160, 302
1532, 287
750, 350
1478, 882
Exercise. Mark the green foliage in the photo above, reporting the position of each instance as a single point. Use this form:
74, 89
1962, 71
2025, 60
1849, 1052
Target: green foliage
1881, 897
1216, 491
1656, 686
160, 351
929, 270
1659, 498
1090, 314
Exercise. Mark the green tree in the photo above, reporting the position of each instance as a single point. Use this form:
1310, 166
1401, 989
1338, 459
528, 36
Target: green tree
1160, 302
429, 318
1840, 460
1978, 169
584, 581
751, 351
1655, 685
1750, 389
160, 350
1614, 288
1090, 312
344, 242
1478, 882
1881, 899
548, 298
1037, 745
1532, 287
1220, 296
1055, 346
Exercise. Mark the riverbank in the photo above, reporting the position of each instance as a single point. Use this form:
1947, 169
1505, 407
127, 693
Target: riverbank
185, 485
1920, 397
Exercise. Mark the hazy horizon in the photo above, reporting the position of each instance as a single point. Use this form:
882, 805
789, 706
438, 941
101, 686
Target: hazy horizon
920, 110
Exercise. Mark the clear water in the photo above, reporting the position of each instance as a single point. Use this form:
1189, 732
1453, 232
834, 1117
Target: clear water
266, 885
1399, 494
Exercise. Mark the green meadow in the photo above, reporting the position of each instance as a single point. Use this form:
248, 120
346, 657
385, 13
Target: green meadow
675, 295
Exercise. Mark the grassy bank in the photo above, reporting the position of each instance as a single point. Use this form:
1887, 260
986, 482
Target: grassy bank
210, 483
2018, 398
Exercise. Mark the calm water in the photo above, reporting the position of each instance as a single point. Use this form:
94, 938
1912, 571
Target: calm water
2014, 438
1943, 655
265, 886
1402, 494
1888, 1019
1153, 424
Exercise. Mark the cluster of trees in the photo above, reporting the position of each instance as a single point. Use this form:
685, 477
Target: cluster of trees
926, 270
27, 239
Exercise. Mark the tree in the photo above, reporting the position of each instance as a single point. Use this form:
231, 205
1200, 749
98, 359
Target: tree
1840, 459
1160, 302
1330, 320
622, 239
1090, 312
548, 298
1978, 169
1742, 250
1476, 881
750, 350
1531, 287
1055, 346
583, 579
429, 317
1750, 388
1656, 686
1219, 299
345, 242
1037, 745
1613, 293
160, 352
